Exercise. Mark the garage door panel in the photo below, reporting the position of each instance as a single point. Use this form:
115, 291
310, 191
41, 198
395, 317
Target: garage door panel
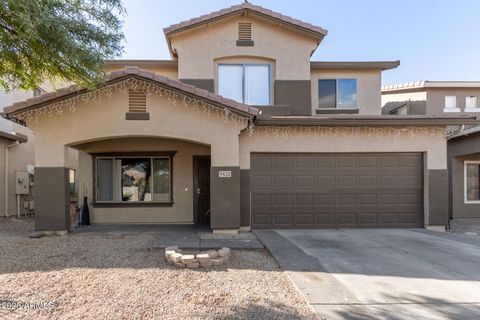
305, 219
325, 199
326, 220
337, 190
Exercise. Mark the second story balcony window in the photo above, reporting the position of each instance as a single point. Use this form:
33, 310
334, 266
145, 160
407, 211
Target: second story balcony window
245, 83
337, 94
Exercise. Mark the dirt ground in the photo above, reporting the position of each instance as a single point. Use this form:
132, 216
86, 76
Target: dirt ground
102, 276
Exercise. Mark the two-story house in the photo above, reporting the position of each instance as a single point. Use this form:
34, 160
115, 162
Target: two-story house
239, 130
439, 98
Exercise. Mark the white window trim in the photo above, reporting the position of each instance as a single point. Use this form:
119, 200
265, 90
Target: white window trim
465, 164
336, 93
451, 109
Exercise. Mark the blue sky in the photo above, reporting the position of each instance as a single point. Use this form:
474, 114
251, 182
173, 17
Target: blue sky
433, 39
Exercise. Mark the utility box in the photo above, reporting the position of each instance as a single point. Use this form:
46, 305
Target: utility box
22, 182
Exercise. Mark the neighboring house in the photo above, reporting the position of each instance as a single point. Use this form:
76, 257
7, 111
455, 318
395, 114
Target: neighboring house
239, 130
17, 155
443, 98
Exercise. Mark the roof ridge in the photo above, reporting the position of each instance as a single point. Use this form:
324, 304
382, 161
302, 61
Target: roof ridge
244, 6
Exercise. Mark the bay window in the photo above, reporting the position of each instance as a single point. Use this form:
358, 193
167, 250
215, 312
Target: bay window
245, 83
472, 181
337, 94
133, 179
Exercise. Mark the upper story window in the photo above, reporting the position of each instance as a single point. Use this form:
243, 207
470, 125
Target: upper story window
451, 104
471, 102
337, 93
245, 83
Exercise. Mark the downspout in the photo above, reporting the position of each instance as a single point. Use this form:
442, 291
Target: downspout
6, 176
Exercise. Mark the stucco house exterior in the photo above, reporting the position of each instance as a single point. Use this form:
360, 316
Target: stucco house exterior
239, 130
17, 156
463, 146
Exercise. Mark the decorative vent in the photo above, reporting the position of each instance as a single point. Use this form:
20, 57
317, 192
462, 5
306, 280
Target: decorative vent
137, 100
244, 31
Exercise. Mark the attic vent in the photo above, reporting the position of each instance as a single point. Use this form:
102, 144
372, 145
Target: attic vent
244, 34
137, 100
244, 31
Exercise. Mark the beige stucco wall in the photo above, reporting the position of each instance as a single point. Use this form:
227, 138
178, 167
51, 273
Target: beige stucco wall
368, 87
182, 167
265, 139
198, 49
19, 156
93, 121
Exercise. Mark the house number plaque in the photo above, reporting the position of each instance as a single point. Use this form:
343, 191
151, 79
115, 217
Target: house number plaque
225, 174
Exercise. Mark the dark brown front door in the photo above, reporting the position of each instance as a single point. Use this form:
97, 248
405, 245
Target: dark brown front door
201, 189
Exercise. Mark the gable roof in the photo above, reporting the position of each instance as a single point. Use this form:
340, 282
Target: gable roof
246, 7
123, 74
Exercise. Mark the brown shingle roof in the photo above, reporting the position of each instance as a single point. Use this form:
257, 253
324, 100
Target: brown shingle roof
141, 74
245, 7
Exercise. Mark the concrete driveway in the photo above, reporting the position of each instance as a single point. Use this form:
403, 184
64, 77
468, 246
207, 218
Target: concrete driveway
381, 274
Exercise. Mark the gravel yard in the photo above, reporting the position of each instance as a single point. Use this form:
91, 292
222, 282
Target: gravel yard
100, 276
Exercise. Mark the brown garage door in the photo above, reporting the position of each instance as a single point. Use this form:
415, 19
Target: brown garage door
337, 190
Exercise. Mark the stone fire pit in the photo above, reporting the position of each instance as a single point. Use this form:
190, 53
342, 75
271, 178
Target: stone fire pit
204, 259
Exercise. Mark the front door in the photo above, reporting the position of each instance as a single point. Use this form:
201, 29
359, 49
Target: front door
201, 189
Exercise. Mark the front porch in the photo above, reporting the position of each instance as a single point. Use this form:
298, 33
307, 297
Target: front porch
176, 161
143, 181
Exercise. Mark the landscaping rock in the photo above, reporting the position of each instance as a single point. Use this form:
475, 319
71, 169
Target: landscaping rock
180, 265
193, 265
188, 258
212, 253
203, 257
169, 253
224, 252
218, 261
176, 257
206, 264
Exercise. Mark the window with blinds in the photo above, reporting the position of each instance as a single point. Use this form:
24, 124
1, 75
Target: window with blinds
245, 83
137, 100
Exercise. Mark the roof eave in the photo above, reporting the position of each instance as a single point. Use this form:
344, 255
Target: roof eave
14, 137
357, 121
383, 65
143, 75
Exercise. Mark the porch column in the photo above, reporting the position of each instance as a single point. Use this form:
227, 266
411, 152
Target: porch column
225, 187
52, 197
436, 190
